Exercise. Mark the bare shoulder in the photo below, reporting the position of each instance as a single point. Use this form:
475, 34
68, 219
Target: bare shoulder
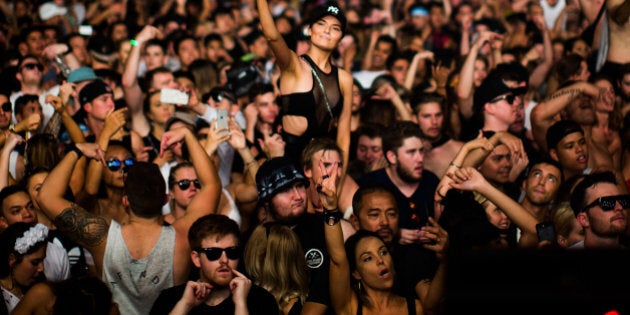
345, 77
80, 226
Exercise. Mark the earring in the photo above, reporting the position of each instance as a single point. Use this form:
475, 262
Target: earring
359, 285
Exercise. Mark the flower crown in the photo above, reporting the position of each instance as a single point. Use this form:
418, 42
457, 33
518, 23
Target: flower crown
34, 235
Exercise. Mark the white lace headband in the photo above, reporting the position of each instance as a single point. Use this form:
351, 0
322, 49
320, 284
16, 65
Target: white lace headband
34, 235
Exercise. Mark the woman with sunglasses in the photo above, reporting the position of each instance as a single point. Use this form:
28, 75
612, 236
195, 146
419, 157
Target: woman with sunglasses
316, 94
106, 182
361, 273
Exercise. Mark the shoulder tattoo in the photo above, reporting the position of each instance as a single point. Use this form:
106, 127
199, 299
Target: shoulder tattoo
81, 226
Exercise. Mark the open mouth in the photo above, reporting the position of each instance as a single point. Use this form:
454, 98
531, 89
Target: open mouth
581, 159
384, 274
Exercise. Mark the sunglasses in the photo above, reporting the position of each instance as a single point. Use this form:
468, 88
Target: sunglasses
185, 184
32, 66
6, 107
507, 97
115, 164
608, 203
214, 253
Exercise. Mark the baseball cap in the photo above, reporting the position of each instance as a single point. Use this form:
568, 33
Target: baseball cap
93, 90
559, 130
82, 74
276, 174
49, 10
329, 9
489, 89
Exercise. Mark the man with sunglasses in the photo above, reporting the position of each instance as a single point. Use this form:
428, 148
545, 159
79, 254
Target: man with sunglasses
600, 206
494, 101
30, 76
143, 256
220, 288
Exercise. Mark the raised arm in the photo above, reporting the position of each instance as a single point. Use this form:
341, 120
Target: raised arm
470, 179
113, 123
12, 140
343, 126
286, 59
82, 227
207, 199
133, 93
543, 115
341, 295
466, 83
413, 67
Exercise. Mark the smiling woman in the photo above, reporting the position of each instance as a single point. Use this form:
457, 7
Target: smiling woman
316, 95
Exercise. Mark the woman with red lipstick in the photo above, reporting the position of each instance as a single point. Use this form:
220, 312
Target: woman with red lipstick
361, 273
316, 95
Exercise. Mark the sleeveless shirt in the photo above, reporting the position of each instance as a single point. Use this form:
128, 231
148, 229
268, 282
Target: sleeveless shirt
312, 106
136, 283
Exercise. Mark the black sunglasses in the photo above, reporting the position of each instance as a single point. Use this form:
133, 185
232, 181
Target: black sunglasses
507, 97
6, 107
31, 66
214, 253
185, 184
115, 164
608, 203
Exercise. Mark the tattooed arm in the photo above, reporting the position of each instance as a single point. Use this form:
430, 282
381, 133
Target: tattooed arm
544, 114
88, 230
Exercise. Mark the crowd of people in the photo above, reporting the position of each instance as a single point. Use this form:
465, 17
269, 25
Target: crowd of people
308, 157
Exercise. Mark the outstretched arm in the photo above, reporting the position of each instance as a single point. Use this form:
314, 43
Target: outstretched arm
286, 59
470, 179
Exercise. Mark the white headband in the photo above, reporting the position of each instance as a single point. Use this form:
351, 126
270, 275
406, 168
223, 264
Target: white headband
34, 235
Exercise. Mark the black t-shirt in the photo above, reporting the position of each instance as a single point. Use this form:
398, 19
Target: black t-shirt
310, 231
259, 301
414, 210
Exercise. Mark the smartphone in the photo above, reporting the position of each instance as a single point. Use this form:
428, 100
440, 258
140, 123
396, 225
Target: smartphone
222, 120
173, 96
86, 30
546, 232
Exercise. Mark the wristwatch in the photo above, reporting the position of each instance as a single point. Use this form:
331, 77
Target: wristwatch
332, 217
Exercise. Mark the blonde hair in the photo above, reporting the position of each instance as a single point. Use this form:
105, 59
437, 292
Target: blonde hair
275, 260
563, 217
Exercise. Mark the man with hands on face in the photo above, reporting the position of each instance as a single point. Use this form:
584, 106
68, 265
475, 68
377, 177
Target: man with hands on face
220, 289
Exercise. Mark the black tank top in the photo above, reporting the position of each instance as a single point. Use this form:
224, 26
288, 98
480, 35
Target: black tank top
411, 306
312, 106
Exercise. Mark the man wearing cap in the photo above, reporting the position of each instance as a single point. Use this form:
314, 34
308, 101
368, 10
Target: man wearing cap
140, 258
600, 207
96, 99
283, 198
494, 100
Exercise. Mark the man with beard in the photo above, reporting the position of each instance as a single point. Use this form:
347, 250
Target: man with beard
429, 111
405, 176
600, 207
540, 187
420, 269
220, 289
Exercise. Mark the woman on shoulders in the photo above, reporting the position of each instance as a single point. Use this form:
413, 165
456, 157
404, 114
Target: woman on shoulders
315, 94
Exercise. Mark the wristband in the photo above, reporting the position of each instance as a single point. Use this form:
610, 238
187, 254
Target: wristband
73, 148
332, 217
455, 165
133, 42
